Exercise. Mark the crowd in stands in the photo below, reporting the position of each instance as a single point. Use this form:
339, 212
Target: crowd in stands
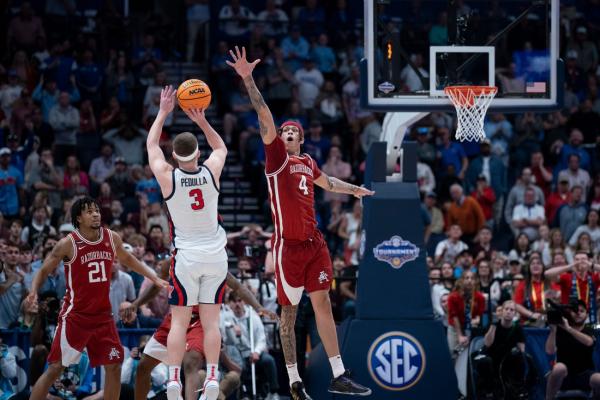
516, 218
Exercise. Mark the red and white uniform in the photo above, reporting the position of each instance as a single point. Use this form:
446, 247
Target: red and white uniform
85, 320
300, 253
157, 345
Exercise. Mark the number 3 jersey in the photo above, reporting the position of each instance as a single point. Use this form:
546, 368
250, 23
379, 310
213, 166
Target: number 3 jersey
291, 190
87, 275
193, 214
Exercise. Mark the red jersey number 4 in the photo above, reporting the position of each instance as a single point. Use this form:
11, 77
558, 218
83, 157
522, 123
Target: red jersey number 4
198, 203
302, 186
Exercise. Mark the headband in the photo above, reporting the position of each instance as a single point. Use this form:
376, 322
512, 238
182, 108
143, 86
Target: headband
187, 158
293, 123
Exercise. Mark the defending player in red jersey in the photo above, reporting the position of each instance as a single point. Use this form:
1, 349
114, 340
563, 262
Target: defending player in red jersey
156, 349
300, 254
85, 320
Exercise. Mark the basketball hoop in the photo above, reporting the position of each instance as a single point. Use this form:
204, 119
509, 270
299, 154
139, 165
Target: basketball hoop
471, 103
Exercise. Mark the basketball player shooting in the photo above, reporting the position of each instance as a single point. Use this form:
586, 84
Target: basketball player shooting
85, 320
199, 266
301, 257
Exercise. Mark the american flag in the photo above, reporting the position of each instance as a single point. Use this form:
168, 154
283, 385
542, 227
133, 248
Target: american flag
535, 87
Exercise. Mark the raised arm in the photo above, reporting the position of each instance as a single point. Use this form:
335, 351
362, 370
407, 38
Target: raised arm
127, 259
336, 185
216, 160
62, 251
244, 69
159, 166
557, 271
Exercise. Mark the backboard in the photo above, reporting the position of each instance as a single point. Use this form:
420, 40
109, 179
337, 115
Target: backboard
415, 48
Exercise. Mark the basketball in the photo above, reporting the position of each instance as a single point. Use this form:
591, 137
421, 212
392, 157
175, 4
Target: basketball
193, 93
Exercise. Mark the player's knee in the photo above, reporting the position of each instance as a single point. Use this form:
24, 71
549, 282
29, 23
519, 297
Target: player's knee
595, 382
192, 362
113, 369
560, 370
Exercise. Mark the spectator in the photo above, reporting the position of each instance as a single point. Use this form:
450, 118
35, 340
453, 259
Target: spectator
119, 80
521, 250
425, 151
110, 116
557, 199
295, 49
45, 177
128, 140
500, 133
335, 166
121, 289
75, 381
350, 231
309, 81
573, 147
517, 194
371, 132
528, 217
235, 21
12, 195
486, 198
38, 229
575, 175
465, 308
64, 119
425, 178
102, 167
572, 214
587, 53
158, 376
24, 29
465, 212
235, 329
411, 80
147, 56
149, 187
275, 20
591, 228
438, 34
451, 153
578, 280
324, 57
158, 307
280, 80
448, 249
573, 344
156, 242
12, 288
530, 293
89, 77
10, 93
249, 242
587, 121
442, 288
316, 145
14, 233
483, 248
72, 168
494, 171
543, 176
311, 18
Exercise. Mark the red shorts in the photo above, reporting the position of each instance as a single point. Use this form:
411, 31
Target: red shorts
75, 333
299, 266
157, 345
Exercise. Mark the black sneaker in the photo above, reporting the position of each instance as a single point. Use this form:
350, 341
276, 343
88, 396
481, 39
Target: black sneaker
298, 393
343, 384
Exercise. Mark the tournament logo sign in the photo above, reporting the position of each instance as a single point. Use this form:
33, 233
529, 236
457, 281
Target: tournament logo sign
396, 251
396, 361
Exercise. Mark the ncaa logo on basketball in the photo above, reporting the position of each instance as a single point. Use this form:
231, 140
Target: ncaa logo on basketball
197, 90
396, 251
396, 361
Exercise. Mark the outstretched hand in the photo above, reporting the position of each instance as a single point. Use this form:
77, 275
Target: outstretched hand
240, 63
167, 99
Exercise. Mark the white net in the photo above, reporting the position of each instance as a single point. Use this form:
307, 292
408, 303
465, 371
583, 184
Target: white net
471, 104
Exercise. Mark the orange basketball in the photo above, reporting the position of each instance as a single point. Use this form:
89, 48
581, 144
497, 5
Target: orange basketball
193, 93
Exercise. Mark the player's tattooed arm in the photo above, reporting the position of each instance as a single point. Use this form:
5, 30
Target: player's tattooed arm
246, 295
244, 69
336, 185
287, 333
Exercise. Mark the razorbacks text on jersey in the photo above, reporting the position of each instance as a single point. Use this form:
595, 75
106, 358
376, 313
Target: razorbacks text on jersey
291, 189
88, 275
193, 214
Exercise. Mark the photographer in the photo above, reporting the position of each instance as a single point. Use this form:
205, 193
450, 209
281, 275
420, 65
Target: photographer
503, 360
158, 376
573, 343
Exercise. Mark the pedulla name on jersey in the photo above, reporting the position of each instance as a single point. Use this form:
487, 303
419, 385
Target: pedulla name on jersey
96, 255
300, 169
193, 181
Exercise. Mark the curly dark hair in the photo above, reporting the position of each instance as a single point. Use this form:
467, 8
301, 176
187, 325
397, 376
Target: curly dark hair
79, 206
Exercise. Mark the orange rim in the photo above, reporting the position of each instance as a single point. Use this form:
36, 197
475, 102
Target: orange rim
465, 95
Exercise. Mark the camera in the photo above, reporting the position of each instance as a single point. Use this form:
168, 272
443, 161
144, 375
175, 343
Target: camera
556, 312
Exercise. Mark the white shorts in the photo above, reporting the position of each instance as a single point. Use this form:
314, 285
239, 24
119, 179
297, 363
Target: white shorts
193, 281
156, 350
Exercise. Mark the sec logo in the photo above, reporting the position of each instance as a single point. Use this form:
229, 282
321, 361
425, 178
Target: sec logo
396, 361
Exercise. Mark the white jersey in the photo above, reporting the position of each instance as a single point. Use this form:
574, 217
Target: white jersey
193, 214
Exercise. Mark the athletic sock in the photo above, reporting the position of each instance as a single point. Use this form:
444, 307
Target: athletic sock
337, 366
212, 371
292, 370
174, 373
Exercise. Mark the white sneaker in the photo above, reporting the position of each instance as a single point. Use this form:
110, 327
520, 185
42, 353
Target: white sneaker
173, 390
210, 391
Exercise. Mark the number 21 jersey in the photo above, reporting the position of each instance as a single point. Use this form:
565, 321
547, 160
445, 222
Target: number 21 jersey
193, 214
291, 190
